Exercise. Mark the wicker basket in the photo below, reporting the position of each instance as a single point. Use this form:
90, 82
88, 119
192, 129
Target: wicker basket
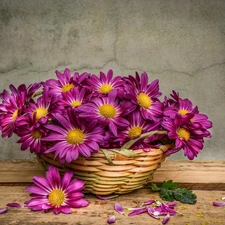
110, 171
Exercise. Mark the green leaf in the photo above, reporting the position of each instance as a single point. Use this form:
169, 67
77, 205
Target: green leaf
167, 195
185, 196
169, 191
169, 185
155, 187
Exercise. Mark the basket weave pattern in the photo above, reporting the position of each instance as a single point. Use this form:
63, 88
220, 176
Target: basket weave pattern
121, 175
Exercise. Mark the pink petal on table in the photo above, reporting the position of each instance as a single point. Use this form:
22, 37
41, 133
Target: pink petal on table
111, 219
166, 219
14, 204
219, 204
119, 208
3, 210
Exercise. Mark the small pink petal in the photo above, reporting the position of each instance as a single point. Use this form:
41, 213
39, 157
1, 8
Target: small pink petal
3, 210
138, 211
219, 204
166, 219
111, 219
149, 202
14, 204
119, 208
106, 197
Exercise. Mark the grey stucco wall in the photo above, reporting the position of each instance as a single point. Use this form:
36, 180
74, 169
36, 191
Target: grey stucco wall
180, 42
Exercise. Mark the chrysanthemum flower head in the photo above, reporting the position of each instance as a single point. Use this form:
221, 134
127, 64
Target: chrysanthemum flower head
55, 193
73, 137
144, 95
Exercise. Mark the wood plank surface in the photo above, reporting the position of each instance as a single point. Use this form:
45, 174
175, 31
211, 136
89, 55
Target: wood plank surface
15, 175
98, 211
199, 175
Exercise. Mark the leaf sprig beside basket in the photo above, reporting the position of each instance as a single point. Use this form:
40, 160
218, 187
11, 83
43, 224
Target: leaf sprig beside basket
113, 132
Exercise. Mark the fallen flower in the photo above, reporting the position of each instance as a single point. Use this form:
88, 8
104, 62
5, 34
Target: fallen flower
53, 193
3, 210
111, 219
14, 204
119, 208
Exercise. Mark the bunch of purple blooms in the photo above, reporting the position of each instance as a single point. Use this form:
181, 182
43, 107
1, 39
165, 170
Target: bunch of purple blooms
79, 114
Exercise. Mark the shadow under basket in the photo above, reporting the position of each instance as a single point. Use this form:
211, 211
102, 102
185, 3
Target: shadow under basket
109, 172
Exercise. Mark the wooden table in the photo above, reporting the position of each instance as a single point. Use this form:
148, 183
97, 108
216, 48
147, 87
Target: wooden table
206, 179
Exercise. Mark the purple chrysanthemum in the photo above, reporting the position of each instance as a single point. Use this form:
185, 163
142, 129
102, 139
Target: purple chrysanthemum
41, 111
13, 106
138, 125
107, 111
73, 98
65, 82
184, 137
73, 137
55, 193
105, 83
144, 95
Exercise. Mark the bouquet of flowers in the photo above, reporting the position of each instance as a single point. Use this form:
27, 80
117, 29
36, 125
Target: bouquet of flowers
77, 115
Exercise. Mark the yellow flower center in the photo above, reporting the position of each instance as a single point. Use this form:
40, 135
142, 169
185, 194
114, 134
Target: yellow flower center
107, 110
144, 100
183, 112
40, 112
67, 87
105, 88
56, 197
134, 132
36, 134
183, 133
15, 114
75, 104
75, 136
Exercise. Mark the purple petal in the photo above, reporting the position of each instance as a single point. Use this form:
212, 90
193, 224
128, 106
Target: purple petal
219, 204
138, 211
119, 208
166, 219
149, 202
14, 204
3, 210
111, 219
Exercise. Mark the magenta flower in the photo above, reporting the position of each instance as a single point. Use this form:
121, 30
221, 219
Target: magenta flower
73, 98
184, 137
73, 137
65, 82
105, 83
138, 125
144, 95
41, 111
31, 139
12, 105
106, 110
55, 193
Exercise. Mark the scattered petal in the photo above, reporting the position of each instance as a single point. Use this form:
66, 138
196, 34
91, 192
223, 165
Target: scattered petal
119, 208
111, 219
14, 204
219, 204
3, 210
106, 197
166, 219
149, 202
138, 211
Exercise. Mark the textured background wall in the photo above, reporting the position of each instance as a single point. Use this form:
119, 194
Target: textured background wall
182, 43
